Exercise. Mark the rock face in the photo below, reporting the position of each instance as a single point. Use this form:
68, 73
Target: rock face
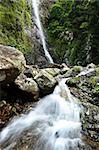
37, 55
15, 28
12, 62
85, 86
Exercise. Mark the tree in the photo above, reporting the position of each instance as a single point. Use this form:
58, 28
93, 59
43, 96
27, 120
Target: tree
73, 30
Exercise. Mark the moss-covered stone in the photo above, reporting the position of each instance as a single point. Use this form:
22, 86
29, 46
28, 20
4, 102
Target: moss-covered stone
77, 69
94, 80
74, 81
97, 71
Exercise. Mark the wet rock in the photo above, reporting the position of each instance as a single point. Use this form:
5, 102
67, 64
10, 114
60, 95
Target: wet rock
36, 56
85, 87
27, 84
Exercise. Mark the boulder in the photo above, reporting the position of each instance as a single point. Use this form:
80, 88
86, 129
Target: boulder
33, 77
46, 81
12, 62
27, 84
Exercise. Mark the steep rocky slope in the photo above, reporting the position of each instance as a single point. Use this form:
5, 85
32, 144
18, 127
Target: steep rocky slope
18, 28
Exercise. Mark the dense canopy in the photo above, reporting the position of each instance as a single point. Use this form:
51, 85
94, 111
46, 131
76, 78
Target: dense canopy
73, 30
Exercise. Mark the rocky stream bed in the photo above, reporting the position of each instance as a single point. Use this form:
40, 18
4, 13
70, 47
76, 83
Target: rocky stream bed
21, 87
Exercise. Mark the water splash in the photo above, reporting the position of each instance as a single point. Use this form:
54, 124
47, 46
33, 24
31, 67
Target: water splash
55, 121
35, 4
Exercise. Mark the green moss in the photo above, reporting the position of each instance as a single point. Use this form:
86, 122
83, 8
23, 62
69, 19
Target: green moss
97, 71
74, 81
97, 88
77, 68
15, 17
94, 80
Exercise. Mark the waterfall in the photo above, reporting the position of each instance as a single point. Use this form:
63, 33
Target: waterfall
55, 121
35, 4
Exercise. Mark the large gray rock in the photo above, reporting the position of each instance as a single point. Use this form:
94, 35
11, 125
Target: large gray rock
12, 62
46, 81
33, 77
27, 84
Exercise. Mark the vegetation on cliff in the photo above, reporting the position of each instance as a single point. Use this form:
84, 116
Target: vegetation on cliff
15, 21
73, 30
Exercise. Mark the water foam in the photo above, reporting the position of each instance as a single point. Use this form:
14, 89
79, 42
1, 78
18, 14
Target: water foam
55, 119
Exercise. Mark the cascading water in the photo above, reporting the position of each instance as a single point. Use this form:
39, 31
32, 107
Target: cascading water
35, 4
55, 121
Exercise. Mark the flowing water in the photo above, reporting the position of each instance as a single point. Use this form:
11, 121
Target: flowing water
55, 121
35, 4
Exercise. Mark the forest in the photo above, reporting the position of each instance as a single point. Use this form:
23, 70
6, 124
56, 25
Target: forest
73, 31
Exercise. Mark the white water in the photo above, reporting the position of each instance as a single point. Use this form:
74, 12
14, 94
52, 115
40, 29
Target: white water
55, 119
35, 4
85, 72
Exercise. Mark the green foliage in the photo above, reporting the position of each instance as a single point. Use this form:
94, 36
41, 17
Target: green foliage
74, 81
97, 88
94, 80
73, 30
77, 69
15, 17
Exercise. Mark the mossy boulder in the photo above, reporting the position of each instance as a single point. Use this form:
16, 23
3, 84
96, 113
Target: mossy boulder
46, 82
